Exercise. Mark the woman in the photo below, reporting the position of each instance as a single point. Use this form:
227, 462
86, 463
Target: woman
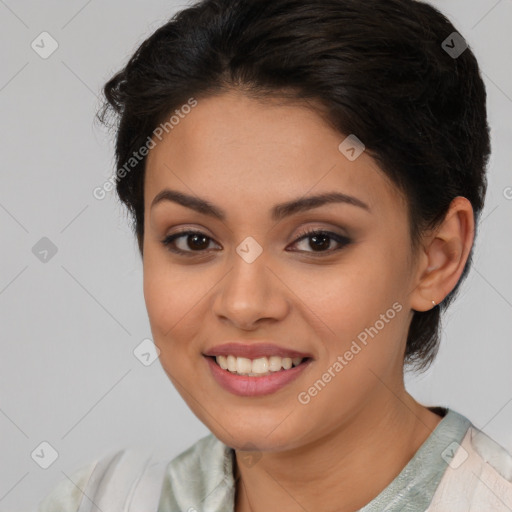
305, 181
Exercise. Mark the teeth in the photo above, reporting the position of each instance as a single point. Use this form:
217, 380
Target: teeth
243, 365
256, 367
275, 363
259, 365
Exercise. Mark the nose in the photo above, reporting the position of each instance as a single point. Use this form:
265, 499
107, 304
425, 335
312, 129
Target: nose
250, 294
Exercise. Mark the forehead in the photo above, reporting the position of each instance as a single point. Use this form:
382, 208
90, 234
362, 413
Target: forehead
240, 149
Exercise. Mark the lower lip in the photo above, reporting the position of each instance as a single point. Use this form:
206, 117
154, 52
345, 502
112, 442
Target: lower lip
254, 386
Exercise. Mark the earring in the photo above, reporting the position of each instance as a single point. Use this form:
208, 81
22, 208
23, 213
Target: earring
434, 303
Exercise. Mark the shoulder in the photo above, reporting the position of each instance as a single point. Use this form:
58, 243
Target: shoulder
66, 495
134, 479
131, 476
200, 478
492, 453
477, 477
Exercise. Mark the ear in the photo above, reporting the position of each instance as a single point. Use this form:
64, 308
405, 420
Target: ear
443, 255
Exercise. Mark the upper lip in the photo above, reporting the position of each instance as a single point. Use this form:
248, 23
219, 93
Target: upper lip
253, 350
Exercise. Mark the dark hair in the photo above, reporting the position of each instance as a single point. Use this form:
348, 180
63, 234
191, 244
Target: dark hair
379, 69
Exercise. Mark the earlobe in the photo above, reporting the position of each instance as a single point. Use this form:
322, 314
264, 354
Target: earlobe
445, 254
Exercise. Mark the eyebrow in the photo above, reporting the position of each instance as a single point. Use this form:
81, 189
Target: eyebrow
278, 212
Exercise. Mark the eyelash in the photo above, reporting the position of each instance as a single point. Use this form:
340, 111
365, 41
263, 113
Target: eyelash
340, 239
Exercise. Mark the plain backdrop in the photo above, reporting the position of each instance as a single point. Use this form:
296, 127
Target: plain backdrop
70, 320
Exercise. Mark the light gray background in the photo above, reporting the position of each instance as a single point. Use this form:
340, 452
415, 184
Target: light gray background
69, 326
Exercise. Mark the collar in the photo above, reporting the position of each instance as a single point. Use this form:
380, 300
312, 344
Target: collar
202, 477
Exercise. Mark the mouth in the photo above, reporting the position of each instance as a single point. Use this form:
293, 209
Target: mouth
255, 377
258, 367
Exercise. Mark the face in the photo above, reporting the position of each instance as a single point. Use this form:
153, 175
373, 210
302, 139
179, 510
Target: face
252, 276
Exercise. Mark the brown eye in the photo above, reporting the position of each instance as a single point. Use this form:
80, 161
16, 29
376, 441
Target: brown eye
194, 241
320, 241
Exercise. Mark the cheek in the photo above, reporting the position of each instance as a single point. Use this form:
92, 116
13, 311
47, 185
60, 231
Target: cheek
169, 293
361, 305
176, 300
159, 299
350, 296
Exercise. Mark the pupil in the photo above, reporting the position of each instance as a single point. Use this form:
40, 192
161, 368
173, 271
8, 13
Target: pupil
324, 238
195, 238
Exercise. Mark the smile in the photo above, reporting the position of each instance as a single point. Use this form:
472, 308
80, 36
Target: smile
257, 367
262, 376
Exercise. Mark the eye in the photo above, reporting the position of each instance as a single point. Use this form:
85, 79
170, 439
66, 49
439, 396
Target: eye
321, 240
196, 241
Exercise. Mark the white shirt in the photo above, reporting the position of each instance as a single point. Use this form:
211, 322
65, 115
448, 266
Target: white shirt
457, 469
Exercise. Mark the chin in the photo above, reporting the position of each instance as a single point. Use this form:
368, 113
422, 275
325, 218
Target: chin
257, 437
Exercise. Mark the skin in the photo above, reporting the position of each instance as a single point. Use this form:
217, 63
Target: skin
244, 156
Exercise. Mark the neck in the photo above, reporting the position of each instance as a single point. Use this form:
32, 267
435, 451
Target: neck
342, 471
